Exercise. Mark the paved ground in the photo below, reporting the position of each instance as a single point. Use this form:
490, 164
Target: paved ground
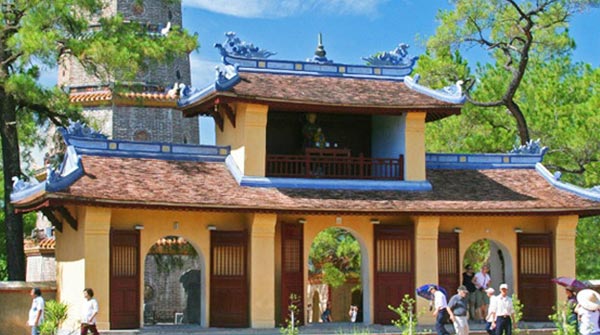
336, 328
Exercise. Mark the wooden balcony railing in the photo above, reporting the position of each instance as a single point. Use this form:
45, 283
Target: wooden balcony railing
334, 164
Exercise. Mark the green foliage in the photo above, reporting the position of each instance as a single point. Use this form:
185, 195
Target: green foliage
407, 321
587, 248
291, 327
518, 307
478, 254
54, 315
171, 254
561, 321
335, 254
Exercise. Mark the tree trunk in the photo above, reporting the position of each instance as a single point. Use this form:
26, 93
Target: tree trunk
521, 122
11, 163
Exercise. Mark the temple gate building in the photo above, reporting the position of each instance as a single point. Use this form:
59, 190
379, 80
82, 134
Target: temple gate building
302, 146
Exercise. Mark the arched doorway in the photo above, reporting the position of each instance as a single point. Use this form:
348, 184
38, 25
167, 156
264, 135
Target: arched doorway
494, 254
172, 283
335, 267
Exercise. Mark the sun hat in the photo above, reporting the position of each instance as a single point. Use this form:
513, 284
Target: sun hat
504, 286
462, 288
490, 290
589, 299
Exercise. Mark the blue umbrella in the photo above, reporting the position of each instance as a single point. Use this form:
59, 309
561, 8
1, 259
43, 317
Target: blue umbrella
423, 291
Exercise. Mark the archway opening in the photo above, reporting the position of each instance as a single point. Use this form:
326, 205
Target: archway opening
495, 256
172, 287
334, 277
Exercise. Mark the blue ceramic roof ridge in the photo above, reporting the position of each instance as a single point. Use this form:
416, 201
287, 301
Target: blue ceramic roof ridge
592, 193
69, 171
525, 156
452, 94
90, 142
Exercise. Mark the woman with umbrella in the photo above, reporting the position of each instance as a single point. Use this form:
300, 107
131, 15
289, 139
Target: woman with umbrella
571, 285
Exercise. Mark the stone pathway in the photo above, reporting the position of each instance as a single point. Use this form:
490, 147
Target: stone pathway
336, 328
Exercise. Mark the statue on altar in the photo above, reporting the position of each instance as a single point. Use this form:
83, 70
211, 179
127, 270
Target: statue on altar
313, 134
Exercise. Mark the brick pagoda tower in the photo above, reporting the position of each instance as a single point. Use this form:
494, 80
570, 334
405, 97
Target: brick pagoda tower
149, 114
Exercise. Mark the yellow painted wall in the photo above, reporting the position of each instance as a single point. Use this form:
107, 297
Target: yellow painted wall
262, 270
426, 259
82, 261
83, 255
564, 229
192, 226
247, 139
414, 153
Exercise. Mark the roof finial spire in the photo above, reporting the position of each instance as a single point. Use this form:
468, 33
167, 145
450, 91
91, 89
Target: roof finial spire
320, 52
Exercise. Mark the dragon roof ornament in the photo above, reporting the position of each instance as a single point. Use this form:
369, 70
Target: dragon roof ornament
396, 57
235, 47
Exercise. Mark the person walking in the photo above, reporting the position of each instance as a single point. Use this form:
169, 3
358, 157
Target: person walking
489, 317
89, 311
503, 312
588, 306
457, 309
439, 310
36, 312
482, 281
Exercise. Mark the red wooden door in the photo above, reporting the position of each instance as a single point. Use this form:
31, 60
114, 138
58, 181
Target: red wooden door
124, 279
535, 271
229, 279
292, 269
394, 269
448, 262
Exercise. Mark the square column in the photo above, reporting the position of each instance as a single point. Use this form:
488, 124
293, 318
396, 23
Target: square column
83, 260
414, 151
564, 250
426, 260
262, 270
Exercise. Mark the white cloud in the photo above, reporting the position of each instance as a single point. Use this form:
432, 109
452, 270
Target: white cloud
203, 71
284, 8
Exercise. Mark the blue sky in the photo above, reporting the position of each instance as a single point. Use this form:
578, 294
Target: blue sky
351, 29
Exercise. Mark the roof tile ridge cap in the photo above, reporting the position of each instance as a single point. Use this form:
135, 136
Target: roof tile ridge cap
592, 194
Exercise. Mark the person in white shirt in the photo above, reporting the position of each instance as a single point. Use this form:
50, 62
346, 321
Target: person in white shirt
482, 281
488, 319
588, 306
89, 311
439, 310
36, 312
502, 312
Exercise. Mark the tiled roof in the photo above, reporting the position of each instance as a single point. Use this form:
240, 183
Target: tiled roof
152, 183
95, 97
285, 91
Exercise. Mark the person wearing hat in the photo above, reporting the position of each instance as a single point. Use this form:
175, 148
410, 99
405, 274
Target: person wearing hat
489, 317
439, 310
457, 309
502, 312
588, 304
467, 281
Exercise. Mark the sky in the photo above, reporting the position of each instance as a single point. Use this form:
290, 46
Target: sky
351, 29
